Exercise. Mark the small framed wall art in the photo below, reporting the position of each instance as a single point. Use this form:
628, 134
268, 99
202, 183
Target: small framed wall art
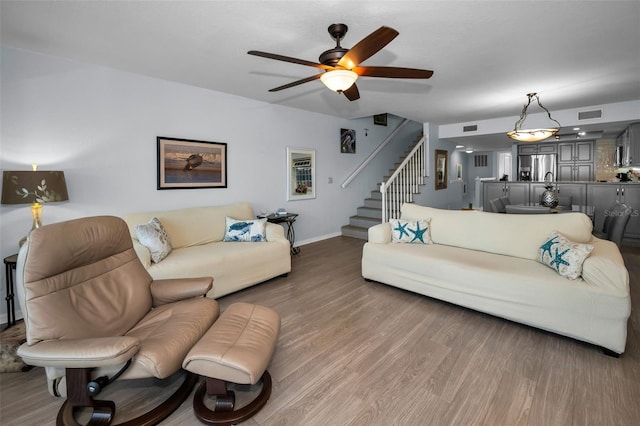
301, 173
380, 119
184, 163
347, 141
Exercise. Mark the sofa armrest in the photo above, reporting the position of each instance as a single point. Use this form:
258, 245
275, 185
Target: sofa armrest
143, 254
80, 353
605, 267
274, 232
175, 289
380, 233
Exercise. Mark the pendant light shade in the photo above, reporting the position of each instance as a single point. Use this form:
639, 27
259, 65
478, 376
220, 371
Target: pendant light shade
339, 80
532, 135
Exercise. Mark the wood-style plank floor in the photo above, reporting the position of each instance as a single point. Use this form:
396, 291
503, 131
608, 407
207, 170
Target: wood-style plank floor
358, 353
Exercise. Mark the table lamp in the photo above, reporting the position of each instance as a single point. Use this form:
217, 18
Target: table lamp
37, 187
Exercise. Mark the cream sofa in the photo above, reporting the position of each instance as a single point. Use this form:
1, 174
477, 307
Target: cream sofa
196, 235
487, 262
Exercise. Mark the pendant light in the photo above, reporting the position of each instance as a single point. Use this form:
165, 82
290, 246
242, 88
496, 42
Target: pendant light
532, 135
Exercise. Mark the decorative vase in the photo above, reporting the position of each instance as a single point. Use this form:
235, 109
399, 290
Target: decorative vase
549, 198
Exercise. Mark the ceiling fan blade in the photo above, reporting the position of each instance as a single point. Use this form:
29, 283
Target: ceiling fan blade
352, 93
392, 72
288, 59
296, 83
367, 47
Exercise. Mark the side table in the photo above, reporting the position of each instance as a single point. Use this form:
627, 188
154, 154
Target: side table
10, 263
288, 218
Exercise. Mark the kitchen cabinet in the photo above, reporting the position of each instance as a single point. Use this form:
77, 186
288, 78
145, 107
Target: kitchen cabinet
629, 140
518, 192
536, 148
490, 191
603, 195
634, 145
574, 172
575, 151
535, 191
577, 192
575, 161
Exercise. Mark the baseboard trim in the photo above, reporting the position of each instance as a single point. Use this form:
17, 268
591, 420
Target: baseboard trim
316, 239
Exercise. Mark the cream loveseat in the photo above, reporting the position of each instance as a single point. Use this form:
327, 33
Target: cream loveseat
487, 262
197, 248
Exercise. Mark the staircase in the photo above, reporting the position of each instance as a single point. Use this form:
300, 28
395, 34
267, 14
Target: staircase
371, 213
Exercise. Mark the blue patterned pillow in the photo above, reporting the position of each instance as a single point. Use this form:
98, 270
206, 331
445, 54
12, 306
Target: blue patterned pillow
564, 256
410, 231
245, 230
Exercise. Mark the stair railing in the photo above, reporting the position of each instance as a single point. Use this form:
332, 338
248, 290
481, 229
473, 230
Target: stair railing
374, 153
404, 182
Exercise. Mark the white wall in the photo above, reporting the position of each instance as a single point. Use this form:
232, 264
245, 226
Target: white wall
100, 125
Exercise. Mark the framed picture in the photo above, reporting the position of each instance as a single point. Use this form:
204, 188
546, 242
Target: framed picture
441, 169
459, 171
380, 119
301, 173
347, 141
184, 163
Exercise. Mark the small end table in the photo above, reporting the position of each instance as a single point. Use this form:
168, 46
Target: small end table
10, 263
287, 218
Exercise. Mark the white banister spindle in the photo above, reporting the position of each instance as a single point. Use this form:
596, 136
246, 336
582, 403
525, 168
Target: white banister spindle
403, 183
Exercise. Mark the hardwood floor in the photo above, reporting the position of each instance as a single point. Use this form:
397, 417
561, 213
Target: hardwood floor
358, 353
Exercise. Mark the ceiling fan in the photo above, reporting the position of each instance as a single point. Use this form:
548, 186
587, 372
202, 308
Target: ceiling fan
342, 66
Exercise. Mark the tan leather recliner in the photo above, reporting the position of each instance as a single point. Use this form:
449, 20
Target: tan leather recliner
91, 309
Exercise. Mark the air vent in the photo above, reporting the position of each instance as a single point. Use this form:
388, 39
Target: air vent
480, 160
590, 115
302, 162
472, 128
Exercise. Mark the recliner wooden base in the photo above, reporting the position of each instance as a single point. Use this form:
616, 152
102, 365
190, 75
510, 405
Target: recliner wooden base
104, 411
224, 413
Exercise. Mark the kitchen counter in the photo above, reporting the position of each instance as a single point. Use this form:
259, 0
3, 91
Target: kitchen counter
601, 195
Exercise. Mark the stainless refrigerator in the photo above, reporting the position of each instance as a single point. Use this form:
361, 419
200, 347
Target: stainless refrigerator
535, 167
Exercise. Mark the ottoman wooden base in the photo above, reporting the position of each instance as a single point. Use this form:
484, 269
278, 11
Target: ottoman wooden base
236, 349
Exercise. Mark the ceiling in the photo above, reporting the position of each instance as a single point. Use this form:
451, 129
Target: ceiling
486, 55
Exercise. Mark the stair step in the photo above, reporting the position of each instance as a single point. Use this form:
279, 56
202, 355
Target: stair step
355, 232
373, 203
376, 195
363, 222
372, 212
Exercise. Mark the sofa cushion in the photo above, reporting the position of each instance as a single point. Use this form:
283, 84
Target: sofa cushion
195, 225
564, 256
153, 236
233, 266
511, 235
245, 230
410, 231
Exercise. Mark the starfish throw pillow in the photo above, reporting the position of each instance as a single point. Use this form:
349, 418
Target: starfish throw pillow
564, 256
410, 231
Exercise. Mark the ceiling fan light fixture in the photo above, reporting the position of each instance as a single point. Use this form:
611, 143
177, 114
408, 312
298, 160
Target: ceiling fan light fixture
339, 80
532, 135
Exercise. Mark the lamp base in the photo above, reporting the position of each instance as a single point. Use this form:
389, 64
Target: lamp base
36, 212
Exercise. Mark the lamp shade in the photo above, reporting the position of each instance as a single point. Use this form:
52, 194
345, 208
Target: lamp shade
532, 135
339, 80
27, 187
